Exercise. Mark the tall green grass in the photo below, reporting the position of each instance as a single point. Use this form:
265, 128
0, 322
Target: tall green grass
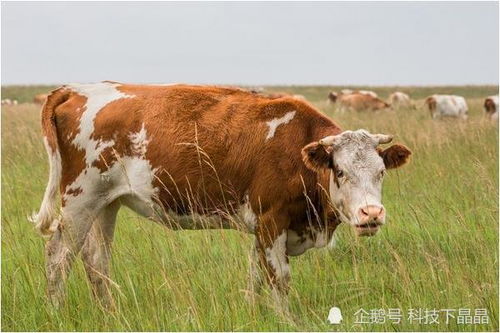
439, 249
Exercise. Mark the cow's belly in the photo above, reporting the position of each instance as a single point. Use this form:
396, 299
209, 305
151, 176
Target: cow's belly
243, 219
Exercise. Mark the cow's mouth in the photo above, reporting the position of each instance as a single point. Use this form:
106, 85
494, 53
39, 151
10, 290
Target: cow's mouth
368, 229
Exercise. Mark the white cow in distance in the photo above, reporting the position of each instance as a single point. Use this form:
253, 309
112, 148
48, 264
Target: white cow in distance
447, 106
399, 100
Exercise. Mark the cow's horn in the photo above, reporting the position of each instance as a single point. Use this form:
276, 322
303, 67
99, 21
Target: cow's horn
327, 141
382, 138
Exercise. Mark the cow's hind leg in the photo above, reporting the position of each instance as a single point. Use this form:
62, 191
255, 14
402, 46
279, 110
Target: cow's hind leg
271, 235
60, 252
96, 254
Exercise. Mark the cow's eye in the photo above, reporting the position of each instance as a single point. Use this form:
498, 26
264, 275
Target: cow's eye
340, 173
382, 173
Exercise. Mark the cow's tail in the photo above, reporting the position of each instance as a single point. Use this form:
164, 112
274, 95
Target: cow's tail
46, 220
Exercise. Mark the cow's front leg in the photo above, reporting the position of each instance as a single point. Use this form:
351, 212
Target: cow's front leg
272, 258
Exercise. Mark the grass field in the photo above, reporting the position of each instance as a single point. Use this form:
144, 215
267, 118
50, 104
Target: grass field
439, 249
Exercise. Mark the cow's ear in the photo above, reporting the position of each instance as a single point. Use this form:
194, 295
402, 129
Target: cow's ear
317, 156
394, 156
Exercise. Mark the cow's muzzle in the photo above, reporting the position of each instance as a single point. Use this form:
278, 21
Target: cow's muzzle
370, 219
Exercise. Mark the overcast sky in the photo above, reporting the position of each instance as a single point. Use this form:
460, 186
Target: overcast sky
253, 43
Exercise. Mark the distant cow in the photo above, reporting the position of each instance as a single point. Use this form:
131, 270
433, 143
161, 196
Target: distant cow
202, 157
360, 102
399, 100
333, 96
491, 107
447, 106
40, 98
9, 101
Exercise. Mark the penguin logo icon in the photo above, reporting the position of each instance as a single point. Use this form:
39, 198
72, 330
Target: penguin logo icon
335, 316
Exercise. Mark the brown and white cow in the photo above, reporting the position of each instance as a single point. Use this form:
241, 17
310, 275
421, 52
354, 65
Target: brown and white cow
360, 102
447, 106
491, 107
198, 157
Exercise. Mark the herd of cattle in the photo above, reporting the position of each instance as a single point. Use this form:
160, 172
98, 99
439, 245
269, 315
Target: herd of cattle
438, 105
367, 100
38, 99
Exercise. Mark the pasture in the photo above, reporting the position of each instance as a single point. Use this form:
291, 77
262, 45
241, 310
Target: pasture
439, 249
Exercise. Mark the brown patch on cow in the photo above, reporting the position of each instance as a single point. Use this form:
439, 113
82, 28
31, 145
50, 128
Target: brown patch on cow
67, 116
74, 192
49, 127
394, 156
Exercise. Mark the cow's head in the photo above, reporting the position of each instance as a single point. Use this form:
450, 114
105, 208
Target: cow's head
332, 97
431, 103
357, 167
489, 106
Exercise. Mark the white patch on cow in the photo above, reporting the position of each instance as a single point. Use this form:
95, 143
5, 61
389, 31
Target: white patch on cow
273, 124
139, 141
98, 96
94, 189
276, 256
46, 219
247, 215
129, 177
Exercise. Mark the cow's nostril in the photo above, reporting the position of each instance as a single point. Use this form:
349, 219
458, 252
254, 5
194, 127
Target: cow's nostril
381, 213
364, 212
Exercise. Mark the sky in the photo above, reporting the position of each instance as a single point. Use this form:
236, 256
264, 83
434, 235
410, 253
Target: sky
251, 43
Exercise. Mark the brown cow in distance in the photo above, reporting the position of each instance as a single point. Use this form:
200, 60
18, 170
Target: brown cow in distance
203, 157
360, 102
491, 107
40, 98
